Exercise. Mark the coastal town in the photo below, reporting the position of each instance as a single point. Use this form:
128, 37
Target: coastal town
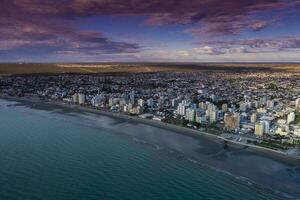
254, 108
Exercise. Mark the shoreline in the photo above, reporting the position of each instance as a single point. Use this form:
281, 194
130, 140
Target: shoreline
274, 154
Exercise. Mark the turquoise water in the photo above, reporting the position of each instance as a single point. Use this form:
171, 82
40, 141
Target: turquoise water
50, 155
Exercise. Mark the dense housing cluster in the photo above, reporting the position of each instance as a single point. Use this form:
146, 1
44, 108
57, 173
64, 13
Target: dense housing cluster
261, 108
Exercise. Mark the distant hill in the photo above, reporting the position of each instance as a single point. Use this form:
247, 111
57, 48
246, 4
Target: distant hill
93, 68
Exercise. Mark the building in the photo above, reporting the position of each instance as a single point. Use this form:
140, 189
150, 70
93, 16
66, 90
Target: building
213, 116
96, 100
141, 102
150, 102
253, 118
291, 118
261, 110
243, 107
232, 121
270, 104
81, 98
132, 97
266, 126
190, 114
225, 107
110, 102
181, 109
203, 105
75, 98
297, 103
259, 128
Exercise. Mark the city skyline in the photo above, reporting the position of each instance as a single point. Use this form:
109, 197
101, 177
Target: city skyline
135, 31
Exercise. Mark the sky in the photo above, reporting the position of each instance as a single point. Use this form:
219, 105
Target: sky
150, 31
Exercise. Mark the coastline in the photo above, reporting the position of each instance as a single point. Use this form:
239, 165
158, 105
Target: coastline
274, 154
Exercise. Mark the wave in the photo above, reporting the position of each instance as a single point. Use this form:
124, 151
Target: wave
243, 179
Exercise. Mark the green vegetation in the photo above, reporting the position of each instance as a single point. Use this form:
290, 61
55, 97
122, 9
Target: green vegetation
269, 144
272, 145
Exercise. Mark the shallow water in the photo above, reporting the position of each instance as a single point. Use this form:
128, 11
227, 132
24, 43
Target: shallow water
55, 154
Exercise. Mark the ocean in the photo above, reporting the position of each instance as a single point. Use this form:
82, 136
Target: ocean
47, 153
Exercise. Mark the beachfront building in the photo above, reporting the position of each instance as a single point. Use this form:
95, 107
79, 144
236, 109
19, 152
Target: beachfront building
181, 109
190, 114
141, 102
266, 126
232, 121
213, 116
174, 102
81, 98
75, 98
96, 100
150, 102
78, 98
259, 128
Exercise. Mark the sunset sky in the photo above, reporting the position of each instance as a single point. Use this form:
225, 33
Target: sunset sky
154, 30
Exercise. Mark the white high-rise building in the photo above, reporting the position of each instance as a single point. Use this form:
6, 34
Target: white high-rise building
174, 102
291, 117
141, 102
132, 96
198, 117
211, 107
190, 115
181, 109
297, 103
110, 102
75, 98
212, 116
81, 98
266, 126
203, 105
253, 118
270, 104
224, 107
126, 108
243, 107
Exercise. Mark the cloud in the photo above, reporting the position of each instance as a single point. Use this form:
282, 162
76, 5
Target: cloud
207, 50
50, 26
208, 18
259, 25
28, 26
228, 28
210, 14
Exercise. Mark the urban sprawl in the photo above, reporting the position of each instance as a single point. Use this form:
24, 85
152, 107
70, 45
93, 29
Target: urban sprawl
257, 108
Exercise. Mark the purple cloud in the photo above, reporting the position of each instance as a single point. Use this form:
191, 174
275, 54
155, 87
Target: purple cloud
38, 24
